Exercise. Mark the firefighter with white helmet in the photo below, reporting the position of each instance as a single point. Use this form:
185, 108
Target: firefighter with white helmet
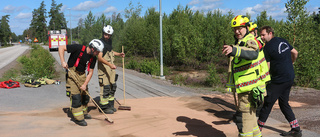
81, 57
245, 77
106, 71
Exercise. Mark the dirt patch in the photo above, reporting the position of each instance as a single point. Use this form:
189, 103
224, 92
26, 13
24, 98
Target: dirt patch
160, 116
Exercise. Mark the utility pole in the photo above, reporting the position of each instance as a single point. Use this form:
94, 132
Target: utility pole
161, 54
70, 25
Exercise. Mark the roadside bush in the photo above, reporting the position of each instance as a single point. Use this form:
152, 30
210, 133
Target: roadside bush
38, 64
133, 64
148, 66
213, 79
179, 80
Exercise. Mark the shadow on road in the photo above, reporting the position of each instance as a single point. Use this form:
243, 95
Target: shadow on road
226, 114
197, 128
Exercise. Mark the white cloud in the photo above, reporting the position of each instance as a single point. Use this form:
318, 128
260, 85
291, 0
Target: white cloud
12, 9
110, 9
210, 1
270, 2
205, 7
8, 9
63, 8
23, 16
248, 10
87, 5
194, 2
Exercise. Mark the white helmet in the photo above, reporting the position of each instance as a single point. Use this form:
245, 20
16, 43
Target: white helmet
108, 29
96, 44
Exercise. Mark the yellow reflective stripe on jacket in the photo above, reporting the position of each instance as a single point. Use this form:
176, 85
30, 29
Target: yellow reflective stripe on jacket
238, 53
252, 82
248, 66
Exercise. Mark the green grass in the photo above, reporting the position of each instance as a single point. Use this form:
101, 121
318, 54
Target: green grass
35, 64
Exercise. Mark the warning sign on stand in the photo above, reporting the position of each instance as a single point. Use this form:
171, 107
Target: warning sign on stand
35, 40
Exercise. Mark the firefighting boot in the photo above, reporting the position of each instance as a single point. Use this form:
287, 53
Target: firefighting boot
107, 109
87, 116
81, 122
111, 102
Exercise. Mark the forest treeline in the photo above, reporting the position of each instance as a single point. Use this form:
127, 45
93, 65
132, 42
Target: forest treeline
192, 40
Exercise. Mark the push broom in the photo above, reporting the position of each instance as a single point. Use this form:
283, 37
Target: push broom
124, 89
76, 80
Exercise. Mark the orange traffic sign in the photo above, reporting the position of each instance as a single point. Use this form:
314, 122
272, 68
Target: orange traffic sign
35, 40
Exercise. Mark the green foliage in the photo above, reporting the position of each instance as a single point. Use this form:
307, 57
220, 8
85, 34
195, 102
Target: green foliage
303, 34
148, 66
213, 79
87, 34
38, 64
57, 21
12, 74
133, 64
38, 26
179, 80
5, 31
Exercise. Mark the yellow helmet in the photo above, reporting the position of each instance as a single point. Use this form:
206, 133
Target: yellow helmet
253, 26
240, 20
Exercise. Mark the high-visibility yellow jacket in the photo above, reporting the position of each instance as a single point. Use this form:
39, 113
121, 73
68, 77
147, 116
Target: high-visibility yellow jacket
249, 68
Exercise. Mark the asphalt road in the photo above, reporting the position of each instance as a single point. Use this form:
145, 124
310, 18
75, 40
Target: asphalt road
9, 54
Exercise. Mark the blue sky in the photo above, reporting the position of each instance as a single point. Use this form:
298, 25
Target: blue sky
20, 11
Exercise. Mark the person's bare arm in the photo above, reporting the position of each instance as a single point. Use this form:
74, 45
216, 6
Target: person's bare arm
119, 54
61, 51
294, 55
88, 78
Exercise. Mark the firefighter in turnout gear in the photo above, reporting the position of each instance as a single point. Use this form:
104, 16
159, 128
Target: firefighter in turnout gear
259, 97
106, 72
246, 74
253, 29
81, 57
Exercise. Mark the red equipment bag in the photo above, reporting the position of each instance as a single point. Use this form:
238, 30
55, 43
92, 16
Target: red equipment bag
9, 84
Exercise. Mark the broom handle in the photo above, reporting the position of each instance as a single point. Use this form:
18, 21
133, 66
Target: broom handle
124, 85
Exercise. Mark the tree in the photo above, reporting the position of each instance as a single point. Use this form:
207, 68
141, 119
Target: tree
5, 31
38, 25
79, 28
117, 24
57, 21
152, 29
304, 40
87, 33
134, 31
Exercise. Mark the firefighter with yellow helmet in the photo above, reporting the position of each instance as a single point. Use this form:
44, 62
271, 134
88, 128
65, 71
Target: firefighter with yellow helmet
253, 29
246, 74
106, 71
